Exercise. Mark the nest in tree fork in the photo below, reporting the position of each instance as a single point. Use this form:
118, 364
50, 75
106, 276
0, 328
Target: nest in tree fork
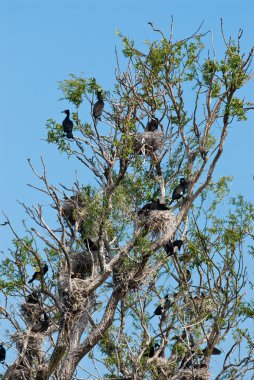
159, 222
33, 343
194, 374
83, 264
148, 142
72, 210
75, 295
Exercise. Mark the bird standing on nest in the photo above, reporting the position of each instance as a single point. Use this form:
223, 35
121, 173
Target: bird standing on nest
154, 205
99, 105
152, 125
42, 326
32, 298
67, 125
180, 190
38, 275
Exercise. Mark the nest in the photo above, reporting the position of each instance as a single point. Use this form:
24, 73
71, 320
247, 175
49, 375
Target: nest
148, 142
76, 298
194, 374
159, 222
83, 264
33, 343
72, 210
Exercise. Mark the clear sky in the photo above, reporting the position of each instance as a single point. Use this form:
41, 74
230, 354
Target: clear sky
42, 41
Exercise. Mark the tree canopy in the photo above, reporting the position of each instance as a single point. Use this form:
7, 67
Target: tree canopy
138, 271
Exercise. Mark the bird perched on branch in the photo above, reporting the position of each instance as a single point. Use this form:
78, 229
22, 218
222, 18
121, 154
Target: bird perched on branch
152, 125
170, 246
150, 352
67, 125
161, 309
99, 105
42, 326
180, 190
2, 353
39, 274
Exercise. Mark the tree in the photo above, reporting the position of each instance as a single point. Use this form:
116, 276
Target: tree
111, 255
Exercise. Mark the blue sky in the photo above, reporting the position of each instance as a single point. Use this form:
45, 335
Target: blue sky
42, 41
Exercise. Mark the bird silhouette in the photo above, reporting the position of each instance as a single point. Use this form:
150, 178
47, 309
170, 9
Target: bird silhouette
99, 105
42, 325
214, 351
67, 125
32, 298
154, 205
179, 190
91, 246
150, 352
152, 125
170, 246
37, 275
161, 309
2, 353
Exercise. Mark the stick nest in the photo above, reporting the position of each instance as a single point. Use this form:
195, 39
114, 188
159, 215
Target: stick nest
148, 142
73, 208
195, 374
158, 222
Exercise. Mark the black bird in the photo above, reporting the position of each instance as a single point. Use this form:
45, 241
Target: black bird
214, 351
32, 298
99, 105
170, 246
2, 353
188, 275
153, 206
152, 125
91, 246
180, 190
151, 351
67, 125
42, 326
37, 275
161, 309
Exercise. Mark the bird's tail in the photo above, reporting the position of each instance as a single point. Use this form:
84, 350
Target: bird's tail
152, 316
30, 281
172, 200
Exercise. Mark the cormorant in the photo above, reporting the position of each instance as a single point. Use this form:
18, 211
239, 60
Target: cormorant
154, 205
151, 351
170, 246
32, 298
2, 353
67, 125
215, 351
90, 245
152, 125
37, 275
161, 309
42, 326
99, 105
180, 190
